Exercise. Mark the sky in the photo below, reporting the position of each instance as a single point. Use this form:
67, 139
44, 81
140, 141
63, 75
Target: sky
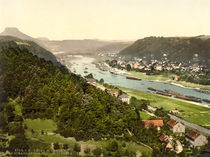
106, 19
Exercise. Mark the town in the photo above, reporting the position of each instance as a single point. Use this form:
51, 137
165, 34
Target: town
143, 65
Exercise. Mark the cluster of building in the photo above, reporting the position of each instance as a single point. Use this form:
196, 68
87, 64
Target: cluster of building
141, 64
195, 138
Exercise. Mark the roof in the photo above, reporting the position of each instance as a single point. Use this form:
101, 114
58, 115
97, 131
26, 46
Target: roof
123, 96
163, 137
149, 123
192, 134
113, 90
172, 123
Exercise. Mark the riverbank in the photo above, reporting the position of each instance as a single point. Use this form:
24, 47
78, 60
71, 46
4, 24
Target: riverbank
191, 112
167, 79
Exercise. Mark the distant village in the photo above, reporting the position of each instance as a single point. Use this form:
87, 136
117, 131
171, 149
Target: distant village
142, 64
195, 138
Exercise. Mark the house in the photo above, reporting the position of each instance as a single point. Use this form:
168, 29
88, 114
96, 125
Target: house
169, 144
195, 138
158, 67
156, 123
176, 126
113, 92
124, 98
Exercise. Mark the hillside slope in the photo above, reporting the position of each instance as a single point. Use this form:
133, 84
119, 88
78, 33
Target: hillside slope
113, 47
31, 46
188, 50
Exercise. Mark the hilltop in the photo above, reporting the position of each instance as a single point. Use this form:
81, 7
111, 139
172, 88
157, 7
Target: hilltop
182, 49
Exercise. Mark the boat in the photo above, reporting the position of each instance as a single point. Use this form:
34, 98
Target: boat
189, 98
206, 100
163, 93
132, 78
202, 91
152, 89
172, 93
85, 71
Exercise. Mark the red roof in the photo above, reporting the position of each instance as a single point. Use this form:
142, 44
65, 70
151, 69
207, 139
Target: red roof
163, 137
192, 134
149, 123
172, 123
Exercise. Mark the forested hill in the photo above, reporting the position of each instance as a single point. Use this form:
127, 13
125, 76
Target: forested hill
31, 46
43, 90
193, 49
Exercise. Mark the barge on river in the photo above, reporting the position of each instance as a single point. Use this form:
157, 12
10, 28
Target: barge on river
132, 78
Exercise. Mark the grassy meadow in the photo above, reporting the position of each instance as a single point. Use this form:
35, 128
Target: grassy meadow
43, 137
193, 113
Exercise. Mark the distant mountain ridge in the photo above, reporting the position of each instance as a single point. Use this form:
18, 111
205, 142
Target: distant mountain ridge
184, 49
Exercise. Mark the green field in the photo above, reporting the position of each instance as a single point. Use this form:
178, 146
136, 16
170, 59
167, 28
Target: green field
190, 112
44, 141
166, 78
144, 115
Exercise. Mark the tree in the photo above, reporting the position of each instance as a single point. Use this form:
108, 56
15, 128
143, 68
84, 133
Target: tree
112, 146
97, 151
89, 75
87, 151
77, 147
65, 146
128, 67
101, 81
56, 146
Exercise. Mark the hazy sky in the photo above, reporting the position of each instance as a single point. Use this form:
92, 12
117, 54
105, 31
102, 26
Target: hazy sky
106, 19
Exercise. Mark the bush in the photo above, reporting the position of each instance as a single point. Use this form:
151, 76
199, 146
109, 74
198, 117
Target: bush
113, 146
87, 150
65, 146
77, 147
97, 151
124, 144
56, 146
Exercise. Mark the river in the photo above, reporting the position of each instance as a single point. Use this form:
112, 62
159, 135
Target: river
83, 63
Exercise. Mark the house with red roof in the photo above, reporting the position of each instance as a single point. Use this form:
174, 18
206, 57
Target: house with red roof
195, 138
176, 126
156, 123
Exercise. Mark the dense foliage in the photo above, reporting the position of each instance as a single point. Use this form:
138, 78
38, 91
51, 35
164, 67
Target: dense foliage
44, 90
